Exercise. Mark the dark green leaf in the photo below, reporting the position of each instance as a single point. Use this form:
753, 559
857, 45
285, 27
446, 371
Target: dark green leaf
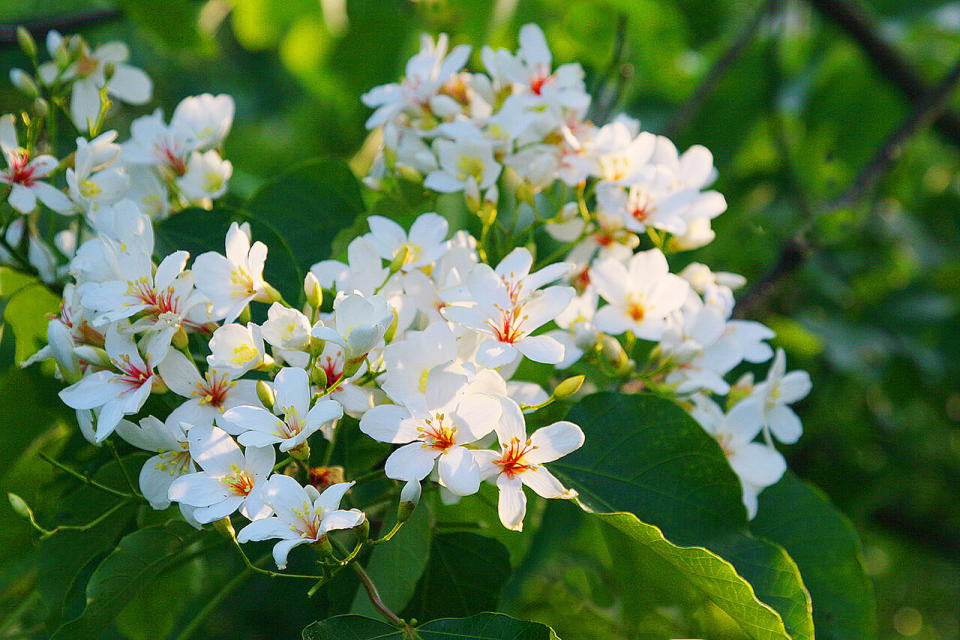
465, 575
133, 565
308, 206
395, 566
646, 455
485, 626
825, 546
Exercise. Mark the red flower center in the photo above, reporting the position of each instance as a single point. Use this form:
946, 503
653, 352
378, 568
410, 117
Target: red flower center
511, 459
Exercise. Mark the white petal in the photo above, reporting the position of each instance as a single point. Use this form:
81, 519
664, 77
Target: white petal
198, 490
383, 423
555, 441
784, 424
541, 349
410, 462
512, 505
330, 499
214, 450
341, 519
545, 484
458, 471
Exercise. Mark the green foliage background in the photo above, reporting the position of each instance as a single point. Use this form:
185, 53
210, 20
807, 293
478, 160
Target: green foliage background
874, 315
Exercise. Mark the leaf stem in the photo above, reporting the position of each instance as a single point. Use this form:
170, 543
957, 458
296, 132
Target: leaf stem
375, 598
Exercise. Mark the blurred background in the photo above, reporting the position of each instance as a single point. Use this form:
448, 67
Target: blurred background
793, 97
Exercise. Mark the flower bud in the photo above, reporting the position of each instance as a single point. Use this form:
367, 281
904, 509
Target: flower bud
409, 499
265, 393
301, 451
392, 329
313, 291
108, 70
318, 376
353, 365
323, 477
487, 214
93, 355
363, 529
613, 353
180, 339
27, 44
400, 259
158, 386
225, 528
323, 547
20, 506
24, 83
568, 387
41, 107
408, 173
268, 364
272, 294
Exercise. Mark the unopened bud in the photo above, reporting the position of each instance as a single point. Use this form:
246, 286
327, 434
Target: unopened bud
353, 365
318, 376
20, 506
265, 393
409, 499
158, 386
487, 214
323, 547
400, 259
41, 107
27, 44
392, 329
301, 451
108, 70
180, 339
93, 355
313, 291
568, 387
62, 56
225, 527
267, 364
613, 352
316, 346
526, 192
272, 294
408, 173
24, 83
363, 529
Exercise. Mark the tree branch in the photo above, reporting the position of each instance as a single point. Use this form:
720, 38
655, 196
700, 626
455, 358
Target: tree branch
798, 249
857, 23
39, 27
692, 106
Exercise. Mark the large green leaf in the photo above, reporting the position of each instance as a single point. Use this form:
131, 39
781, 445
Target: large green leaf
645, 455
825, 546
200, 230
134, 564
485, 626
465, 575
709, 574
308, 206
395, 566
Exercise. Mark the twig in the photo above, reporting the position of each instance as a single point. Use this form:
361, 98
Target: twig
67, 22
375, 598
87, 480
799, 248
692, 106
857, 23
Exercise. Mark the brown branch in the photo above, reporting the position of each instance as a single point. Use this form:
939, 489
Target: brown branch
857, 23
799, 248
39, 27
692, 106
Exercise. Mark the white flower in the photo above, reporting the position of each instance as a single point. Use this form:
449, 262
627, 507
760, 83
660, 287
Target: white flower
169, 440
288, 332
231, 282
128, 84
408, 362
121, 390
364, 273
93, 181
231, 479
258, 427
641, 294
448, 417
24, 175
775, 393
520, 461
359, 324
757, 465
647, 201
465, 163
206, 176
424, 245
302, 516
203, 121
509, 307
209, 395
236, 349
577, 332
426, 73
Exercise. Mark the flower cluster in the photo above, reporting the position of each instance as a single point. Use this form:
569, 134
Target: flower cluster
524, 125
420, 334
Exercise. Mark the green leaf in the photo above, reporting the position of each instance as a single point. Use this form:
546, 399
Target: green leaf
133, 565
465, 575
710, 574
309, 205
825, 546
200, 230
396, 565
660, 465
153, 613
485, 626
174, 23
